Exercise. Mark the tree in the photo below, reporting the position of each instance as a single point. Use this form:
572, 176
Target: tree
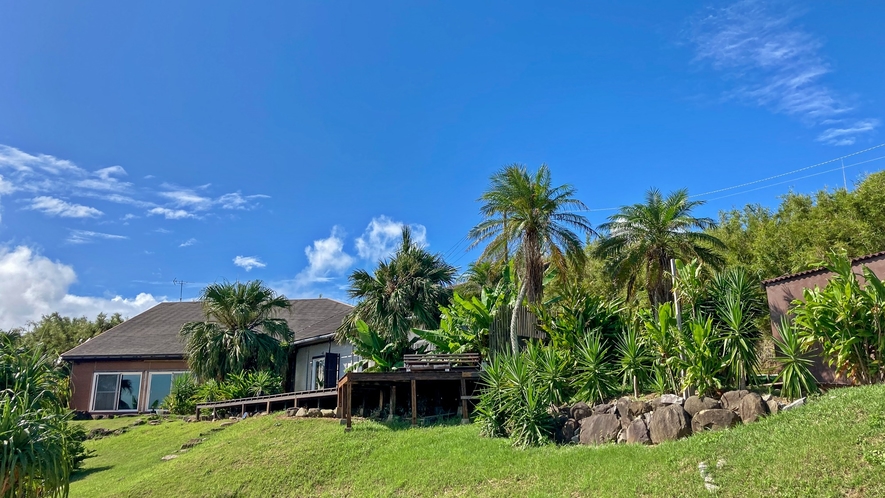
56, 334
643, 238
402, 293
527, 214
241, 331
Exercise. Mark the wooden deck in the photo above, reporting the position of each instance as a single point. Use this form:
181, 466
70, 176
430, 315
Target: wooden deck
390, 379
267, 400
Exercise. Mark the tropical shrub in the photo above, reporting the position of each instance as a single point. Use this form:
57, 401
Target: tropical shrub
847, 320
182, 398
39, 448
594, 374
700, 358
795, 375
464, 324
634, 362
377, 353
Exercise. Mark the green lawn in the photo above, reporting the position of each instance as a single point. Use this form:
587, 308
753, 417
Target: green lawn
109, 424
834, 446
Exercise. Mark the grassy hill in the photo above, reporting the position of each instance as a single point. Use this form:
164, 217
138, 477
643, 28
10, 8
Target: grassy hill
834, 446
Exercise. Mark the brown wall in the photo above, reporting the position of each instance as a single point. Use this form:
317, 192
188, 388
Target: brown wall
782, 294
82, 373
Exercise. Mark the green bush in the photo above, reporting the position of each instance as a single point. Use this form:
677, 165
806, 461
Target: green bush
182, 397
186, 394
795, 375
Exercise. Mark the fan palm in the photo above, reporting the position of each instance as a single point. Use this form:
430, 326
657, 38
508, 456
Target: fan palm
241, 331
526, 212
643, 238
403, 293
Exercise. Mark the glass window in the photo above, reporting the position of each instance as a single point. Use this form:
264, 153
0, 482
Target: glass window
106, 391
116, 391
160, 387
317, 370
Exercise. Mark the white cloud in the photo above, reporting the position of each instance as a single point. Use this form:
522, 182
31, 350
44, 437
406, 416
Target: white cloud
326, 259
171, 214
5, 186
32, 285
105, 179
87, 236
776, 64
236, 200
187, 198
383, 236
57, 207
12, 158
248, 262
847, 135
188, 243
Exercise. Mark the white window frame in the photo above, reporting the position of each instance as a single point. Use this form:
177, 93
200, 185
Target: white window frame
147, 400
119, 374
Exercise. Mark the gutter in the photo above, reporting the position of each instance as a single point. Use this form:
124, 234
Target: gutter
313, 340
123, 357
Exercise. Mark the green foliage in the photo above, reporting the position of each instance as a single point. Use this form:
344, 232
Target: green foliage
491, 414
402, 293
241, 332
573, 312
796, 376
251, 384
182, 397
594, 377
800, 232
737, 307
661, 336
700, 357
57, 334
642, 238
847, 321
377, 353
633, 359
464, 324
39, 448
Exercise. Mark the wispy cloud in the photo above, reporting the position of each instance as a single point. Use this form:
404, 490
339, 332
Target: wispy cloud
776, 65
58, 207
86, 236
188, 243
249, 262
171, 214
382, 237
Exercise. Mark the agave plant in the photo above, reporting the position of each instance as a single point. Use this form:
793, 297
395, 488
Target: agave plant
595, 376
795, 376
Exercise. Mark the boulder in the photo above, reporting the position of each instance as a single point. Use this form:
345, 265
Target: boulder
732, 399
696, 404
328, 413
302, 412
580, 410
602, 409
713, 419
622, 408
752, 408
773, 406
569, 429
794, 404
600, 429
638, 408
669, 423
637, 432
314, 412
671, 399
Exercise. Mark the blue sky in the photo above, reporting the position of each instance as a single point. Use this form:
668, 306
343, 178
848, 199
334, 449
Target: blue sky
289, 141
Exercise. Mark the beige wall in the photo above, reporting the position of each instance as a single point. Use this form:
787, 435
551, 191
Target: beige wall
781, 295
306, 353
83, 372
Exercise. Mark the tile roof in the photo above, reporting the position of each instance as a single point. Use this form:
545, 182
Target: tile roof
155, 332
806, 273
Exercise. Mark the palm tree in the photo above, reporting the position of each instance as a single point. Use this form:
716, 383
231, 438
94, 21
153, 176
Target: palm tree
241, 331
644, 237
402, 293
527, 214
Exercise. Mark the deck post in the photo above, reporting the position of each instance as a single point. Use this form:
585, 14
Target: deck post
267, 410
198, 414
414, 404
348, 388
465, 418
392, 403
242, 410
380, 400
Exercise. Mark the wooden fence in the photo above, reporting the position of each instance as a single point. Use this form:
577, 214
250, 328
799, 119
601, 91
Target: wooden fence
499, 332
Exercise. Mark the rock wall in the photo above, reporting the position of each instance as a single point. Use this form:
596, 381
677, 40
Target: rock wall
666, 418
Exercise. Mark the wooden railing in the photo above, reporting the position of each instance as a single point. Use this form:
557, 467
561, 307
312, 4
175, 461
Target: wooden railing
445, 362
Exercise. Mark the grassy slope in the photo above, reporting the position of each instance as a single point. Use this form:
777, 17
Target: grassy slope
834, 446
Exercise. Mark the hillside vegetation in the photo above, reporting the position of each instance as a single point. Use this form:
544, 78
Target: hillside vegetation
834, 446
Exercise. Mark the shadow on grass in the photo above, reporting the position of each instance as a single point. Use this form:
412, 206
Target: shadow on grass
83, 473
404, 424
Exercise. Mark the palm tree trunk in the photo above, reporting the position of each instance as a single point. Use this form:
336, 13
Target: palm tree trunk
514, 340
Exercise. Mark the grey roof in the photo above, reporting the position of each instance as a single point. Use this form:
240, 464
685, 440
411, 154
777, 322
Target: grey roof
854, 261
155, 333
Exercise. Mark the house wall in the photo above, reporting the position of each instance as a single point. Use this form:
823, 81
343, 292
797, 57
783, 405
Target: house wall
83, 373
781, 295
305, 353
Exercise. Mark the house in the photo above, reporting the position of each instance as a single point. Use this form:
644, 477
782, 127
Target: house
782, 291
129, 368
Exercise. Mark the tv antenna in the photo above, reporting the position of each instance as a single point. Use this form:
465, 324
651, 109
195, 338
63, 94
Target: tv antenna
180, 284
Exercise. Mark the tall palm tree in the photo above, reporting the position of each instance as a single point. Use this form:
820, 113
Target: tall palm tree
527, 214
642, 239
402, 293
241, 331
